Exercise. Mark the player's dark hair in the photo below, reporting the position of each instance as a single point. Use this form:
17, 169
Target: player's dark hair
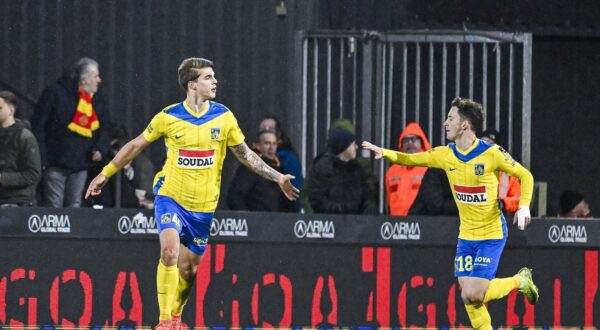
471, 111
188, 70
9, 98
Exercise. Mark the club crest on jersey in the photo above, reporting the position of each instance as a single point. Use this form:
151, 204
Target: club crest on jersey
193, 159
471, 194
215, 132
479, 169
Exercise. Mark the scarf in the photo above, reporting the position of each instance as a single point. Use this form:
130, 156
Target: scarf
85, 120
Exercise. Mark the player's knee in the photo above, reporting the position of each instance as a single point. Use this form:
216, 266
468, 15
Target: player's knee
169, 256
471, 295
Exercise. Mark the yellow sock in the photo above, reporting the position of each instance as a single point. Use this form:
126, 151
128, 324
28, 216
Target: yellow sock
479, 316
501, 287
184, 289
166, 288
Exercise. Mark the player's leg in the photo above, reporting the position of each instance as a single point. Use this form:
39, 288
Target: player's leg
167, 274
194, 238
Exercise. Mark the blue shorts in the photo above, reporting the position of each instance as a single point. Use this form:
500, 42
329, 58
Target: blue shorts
193, 227
478, 258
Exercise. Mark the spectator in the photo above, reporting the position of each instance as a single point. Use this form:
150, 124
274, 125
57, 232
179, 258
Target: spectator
337, 182
136, 178
251, 192
509, 187
286, 154
402, 182
20, 167
434, 196
573, 205
71, 124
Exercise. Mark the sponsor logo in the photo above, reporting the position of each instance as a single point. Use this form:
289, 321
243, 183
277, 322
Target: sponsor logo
452, 169
195, 158
139, 224
479, 169
200, 241
567, 234
400, 231
215, 132
314, 229
178, 136
470, 195
49, 223
229, 227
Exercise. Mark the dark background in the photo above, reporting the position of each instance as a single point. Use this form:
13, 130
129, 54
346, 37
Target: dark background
140, 43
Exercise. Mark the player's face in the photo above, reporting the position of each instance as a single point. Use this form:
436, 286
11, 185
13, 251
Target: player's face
90, 80
268, 145
6, 111
205, 86
453, 124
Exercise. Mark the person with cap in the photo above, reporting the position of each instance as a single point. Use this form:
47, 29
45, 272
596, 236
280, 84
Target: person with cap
402, 182
337, 182
572, 205
509, 187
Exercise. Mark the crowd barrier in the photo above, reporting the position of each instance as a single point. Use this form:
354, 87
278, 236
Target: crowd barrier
86, 267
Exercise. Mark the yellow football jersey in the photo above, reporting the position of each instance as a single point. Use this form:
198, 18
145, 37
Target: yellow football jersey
196, 146
474, 183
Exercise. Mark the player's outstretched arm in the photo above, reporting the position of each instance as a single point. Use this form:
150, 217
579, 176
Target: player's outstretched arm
250, 159
123, 157
377, 151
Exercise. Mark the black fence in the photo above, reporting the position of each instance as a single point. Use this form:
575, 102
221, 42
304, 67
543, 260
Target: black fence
89, 267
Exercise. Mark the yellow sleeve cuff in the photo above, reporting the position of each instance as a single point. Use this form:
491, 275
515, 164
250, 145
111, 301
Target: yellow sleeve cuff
109, 170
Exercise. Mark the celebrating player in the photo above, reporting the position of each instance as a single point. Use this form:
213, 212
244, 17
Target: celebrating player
197, 132
470, 165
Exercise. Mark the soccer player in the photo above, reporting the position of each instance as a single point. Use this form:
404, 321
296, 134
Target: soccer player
196, 132
471, 164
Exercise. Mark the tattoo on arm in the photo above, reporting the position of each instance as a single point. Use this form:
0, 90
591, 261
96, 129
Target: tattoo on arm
255, 163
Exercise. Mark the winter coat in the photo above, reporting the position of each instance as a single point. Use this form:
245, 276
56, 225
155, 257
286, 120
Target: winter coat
20, 168
402, 182
59, 146
335, 186
251, 192
435, 196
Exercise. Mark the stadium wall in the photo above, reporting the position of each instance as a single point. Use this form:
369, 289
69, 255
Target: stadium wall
89, 268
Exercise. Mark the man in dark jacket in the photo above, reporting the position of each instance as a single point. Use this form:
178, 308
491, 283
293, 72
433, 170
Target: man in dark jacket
251, 192
71, 124
434, 196
337, 182
20, 167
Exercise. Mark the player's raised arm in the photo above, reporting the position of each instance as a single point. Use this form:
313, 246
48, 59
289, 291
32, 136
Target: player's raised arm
123, 157
250, 159
377, 151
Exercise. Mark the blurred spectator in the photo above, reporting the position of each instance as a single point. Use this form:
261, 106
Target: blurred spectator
251, 192
286, 154
20, 167
434, 196
573, 205
402, 183
509, 187
337, 182
71, 124
372, 180
136, 178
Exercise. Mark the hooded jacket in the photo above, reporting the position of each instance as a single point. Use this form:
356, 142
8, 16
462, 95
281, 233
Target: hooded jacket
20, 168
402, 183
336, 186
59, 146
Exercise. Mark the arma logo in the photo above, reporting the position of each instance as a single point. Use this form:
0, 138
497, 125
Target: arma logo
139, 224
314, 229
229, 227
567, 234
49, 223
401, 231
